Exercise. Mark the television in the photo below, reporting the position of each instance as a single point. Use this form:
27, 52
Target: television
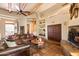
72, 33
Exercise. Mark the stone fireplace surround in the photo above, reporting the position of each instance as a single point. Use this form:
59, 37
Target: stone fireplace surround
70, 46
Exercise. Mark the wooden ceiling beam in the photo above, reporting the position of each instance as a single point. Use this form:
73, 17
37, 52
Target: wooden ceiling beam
22, 6
36, 7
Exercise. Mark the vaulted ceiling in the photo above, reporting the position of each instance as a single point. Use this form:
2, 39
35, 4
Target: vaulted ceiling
22, 6
27, 6
42, 8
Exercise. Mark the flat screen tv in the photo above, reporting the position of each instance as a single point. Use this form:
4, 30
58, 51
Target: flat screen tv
73, 32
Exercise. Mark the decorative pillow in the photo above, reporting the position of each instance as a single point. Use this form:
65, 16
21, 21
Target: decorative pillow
3, 45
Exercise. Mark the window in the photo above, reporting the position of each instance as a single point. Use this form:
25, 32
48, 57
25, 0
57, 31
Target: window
9, 29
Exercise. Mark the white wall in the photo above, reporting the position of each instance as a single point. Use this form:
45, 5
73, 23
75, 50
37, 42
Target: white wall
5, 15
74, 22
62, 18
2, 28
13, 16
24, 20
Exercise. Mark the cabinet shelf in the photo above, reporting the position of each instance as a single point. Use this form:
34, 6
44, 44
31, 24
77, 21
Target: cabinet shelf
42, 27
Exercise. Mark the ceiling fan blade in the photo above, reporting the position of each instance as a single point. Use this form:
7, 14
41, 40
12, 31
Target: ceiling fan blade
23, 14
27, 12
17, 8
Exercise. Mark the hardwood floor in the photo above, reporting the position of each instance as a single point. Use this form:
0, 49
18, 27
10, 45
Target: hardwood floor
51, 48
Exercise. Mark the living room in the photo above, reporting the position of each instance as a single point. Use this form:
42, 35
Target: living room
44, 26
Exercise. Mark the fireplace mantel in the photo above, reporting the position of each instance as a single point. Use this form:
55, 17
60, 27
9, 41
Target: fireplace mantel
69, 49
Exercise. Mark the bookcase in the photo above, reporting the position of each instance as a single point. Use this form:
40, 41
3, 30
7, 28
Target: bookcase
42, 27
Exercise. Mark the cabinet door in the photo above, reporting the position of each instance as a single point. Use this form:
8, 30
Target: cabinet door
54, 32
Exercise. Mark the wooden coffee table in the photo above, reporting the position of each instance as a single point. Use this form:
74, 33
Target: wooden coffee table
34, 41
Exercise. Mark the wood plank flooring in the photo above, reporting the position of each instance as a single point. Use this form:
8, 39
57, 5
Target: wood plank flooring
51, 48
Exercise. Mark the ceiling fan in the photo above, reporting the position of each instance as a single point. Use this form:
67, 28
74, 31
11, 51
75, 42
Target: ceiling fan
20, 11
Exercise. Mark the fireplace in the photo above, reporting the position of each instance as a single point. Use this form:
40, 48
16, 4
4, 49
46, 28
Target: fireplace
73, 35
